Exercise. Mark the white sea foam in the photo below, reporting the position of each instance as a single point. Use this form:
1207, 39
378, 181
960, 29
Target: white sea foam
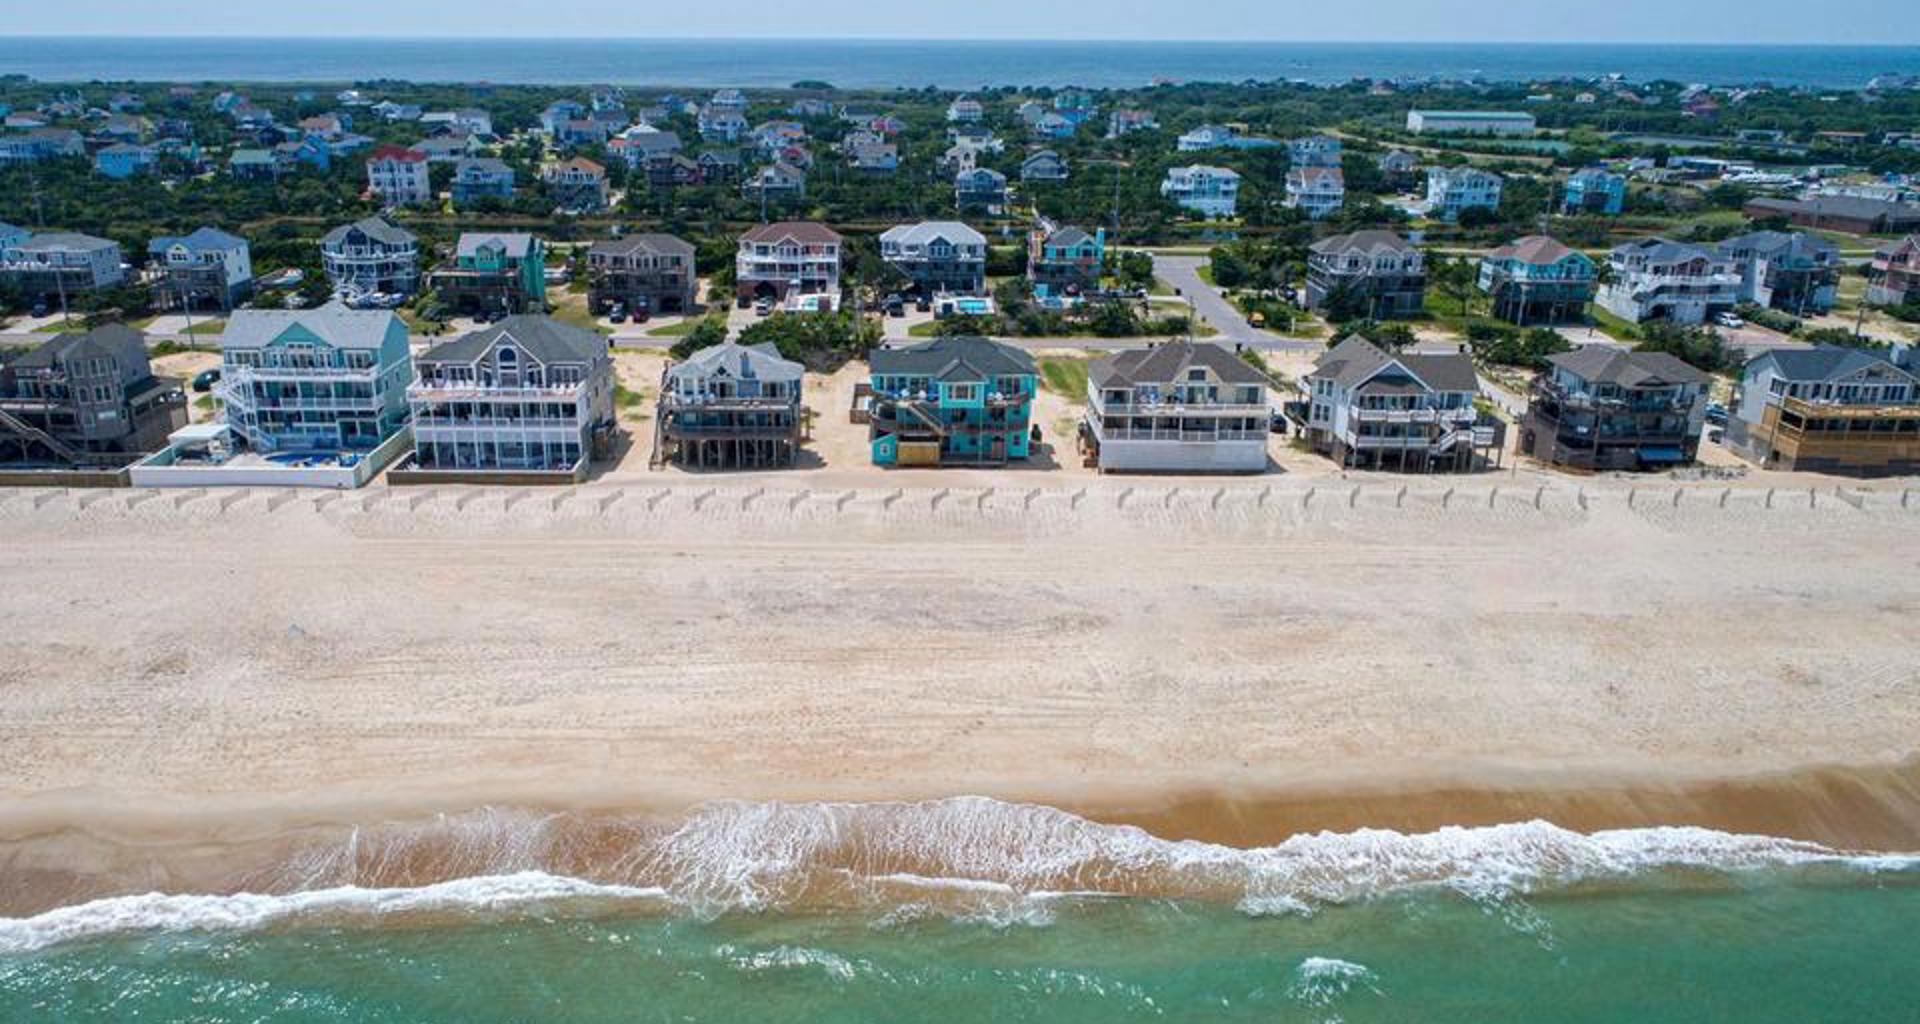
970, 858
1320, 981
243, 911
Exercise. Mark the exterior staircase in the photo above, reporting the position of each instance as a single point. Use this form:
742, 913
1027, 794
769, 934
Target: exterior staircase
14, 425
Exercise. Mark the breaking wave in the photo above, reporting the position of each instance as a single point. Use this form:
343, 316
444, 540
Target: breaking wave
971, 858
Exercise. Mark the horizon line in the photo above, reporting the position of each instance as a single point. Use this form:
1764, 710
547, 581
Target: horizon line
522, 37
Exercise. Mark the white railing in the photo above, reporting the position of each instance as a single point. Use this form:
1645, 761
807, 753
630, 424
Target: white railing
1182, 409
247, 374
499, 422
1188, 436
426, 391
1413, 415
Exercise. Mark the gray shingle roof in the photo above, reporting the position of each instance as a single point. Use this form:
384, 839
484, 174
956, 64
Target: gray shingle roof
1604, 364
106, 335
653, 243
201, 240
379, 229
735, 358
1354, 360
544, 338
62, 241
333, 323
1168, 364
1368, 241
929, 230
953, 359
1825, 362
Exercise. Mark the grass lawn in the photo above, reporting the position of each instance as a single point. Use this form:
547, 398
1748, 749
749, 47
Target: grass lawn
925, 330
685, 327
1159, 287
577, 315
1610, 325
1444, 310
206, 327
1205, 273
1065, 376
628, 398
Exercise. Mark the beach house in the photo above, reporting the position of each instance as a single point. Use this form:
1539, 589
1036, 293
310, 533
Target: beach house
785, 259
731, 405
965, 110
576, 186
1211, 192
371, 257
56, 267
1373, 409
526, 399
494, 273
1657, 279
1786, 270
481, 178
774, 182
1451, 191
1536, 279
1604, 408
937, 256
1829, 409
328, 379
1895, 273
981, 188
644, 274
1045, 165
1594, 190
951, 401
208, 269
1314, 151
123, 160
399, 177
1374, 274
1187, 407
1065, 262
86, 399
1316, 189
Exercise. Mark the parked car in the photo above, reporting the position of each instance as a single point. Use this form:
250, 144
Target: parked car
762, 306
924, 303
894, 305
40, 309
641, 310
1729, 321
1717, 414
205, 379
617, 314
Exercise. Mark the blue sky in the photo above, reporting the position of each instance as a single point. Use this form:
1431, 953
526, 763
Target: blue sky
1713, 21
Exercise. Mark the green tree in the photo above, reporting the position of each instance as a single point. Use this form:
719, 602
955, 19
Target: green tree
710, 331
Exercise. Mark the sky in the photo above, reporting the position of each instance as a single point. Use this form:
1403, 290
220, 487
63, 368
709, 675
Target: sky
1649, 21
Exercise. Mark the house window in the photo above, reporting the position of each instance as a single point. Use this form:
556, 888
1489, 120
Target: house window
963, 392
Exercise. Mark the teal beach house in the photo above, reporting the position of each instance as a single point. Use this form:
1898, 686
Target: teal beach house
951, 401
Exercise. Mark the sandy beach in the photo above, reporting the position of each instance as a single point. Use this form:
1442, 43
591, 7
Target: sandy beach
1236, 660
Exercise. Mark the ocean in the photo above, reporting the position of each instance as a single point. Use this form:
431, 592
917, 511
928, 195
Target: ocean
974, 910
885, 64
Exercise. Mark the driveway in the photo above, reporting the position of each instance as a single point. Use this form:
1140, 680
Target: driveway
1183, 272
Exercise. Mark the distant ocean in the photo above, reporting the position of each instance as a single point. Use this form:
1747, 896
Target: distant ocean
884, 64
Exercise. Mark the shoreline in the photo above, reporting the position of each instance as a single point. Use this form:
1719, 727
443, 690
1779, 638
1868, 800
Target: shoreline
61, 851
195, 689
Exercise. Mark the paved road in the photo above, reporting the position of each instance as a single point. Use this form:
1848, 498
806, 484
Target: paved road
1182, 272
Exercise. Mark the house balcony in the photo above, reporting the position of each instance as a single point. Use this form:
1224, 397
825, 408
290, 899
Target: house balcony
436, 391
241, 375
728, 403
1462, 415
1105, 432
1831, 410
1188, 409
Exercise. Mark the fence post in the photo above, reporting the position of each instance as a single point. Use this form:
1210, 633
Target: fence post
1493, 496
1121, 501
1353, 497
1677, 492
1769, 497
794, 505
1307, 498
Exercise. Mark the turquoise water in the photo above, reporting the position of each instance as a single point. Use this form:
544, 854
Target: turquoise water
1796, 945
